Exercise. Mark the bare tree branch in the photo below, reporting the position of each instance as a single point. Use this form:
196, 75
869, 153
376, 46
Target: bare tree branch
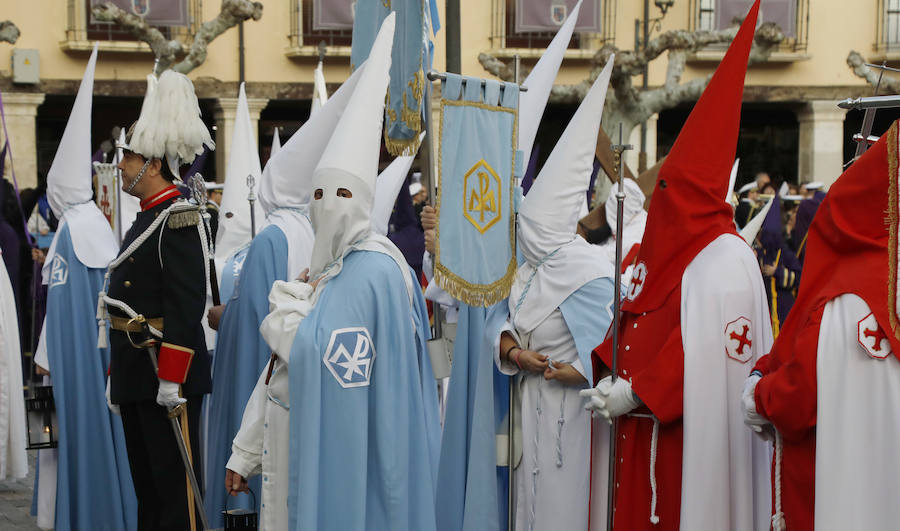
167, 51
8, 32
858, 64
630, 105
233, 13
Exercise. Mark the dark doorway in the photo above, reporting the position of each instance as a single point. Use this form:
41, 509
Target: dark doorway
768, 140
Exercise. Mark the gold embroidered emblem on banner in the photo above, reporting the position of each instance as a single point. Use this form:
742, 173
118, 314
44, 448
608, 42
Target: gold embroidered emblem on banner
482, 196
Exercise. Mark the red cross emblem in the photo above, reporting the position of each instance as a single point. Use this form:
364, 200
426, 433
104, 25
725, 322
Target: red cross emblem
738, 342
872, 338
638, 276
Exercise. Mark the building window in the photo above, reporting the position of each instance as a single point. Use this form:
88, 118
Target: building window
321, 21
888, 29
82, 30
532, 23
792, 16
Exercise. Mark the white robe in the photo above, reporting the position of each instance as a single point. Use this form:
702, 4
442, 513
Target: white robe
263, 440
556, 497
725, 468
857, 433
13, 435
261, 445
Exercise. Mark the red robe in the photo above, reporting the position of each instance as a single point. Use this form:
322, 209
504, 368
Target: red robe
787, 397
651, 357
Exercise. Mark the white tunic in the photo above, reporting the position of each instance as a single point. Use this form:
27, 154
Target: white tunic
552, 476
261, 445
857, 433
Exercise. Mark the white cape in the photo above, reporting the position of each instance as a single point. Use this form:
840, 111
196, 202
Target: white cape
857, 433
13, 435
725, 467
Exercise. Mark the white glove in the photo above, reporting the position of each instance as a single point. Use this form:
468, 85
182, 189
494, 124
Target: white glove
610, 399
112, 407
758, 423
167, 396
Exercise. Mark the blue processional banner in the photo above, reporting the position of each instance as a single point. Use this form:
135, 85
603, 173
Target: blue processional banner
475, 255
403, 108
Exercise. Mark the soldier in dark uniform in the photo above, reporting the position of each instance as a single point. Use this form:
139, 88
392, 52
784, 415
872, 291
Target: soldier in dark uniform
164, 280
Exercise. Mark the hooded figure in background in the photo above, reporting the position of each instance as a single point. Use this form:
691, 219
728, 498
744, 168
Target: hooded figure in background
354, 338
634, 220
805, 214
558, 310
780, 267
831, 385
281, 251
93, 487
693, 320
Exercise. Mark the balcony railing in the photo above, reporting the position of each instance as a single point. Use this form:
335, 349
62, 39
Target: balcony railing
81, 32
792, 16
505, 39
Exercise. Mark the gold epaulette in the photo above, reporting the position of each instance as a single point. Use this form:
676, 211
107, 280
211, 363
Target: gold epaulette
183, 215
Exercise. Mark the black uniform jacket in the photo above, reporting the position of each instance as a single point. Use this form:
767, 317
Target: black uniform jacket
164, 277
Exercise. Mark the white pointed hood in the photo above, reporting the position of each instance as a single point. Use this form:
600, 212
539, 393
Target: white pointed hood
320, 91
557, 262
555, 198
350, 161
69, 185
751, 229
69, 178
287, 179
540, 83
276, 144
243, 160
387, 186
729, 195
286, 187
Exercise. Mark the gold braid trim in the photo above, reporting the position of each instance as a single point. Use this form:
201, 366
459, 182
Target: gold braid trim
483, 295
892, 219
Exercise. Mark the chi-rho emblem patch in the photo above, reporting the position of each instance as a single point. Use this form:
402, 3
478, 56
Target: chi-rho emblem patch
349, 356
59, 271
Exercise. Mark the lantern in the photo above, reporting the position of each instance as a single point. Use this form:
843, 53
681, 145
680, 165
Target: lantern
241, 519
40, 411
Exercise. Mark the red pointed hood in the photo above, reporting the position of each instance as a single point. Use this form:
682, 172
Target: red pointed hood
852, 244
686, 210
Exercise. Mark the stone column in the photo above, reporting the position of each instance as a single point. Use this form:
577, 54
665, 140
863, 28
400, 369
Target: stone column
21, 111
631, 156
821, 141
225, 111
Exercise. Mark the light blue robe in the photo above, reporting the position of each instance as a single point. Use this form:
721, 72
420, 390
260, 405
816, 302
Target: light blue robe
363, 406
472, 490
241, 354
94, 488
231, 273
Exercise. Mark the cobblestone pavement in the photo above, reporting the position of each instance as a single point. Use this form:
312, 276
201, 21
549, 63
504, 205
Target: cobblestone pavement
15, 501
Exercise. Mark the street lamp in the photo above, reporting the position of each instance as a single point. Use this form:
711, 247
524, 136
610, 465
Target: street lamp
664, 5
641, 43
